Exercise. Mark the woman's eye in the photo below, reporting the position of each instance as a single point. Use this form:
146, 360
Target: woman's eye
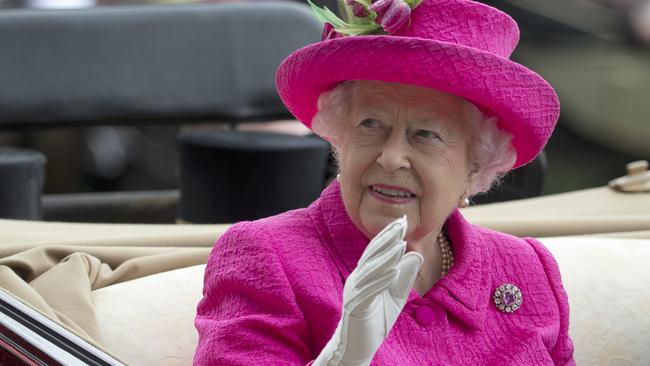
370, 123
428, 134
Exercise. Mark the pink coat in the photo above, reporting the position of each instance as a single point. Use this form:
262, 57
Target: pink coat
273, 287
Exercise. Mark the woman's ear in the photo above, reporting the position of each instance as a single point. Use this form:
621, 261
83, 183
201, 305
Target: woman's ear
472, 180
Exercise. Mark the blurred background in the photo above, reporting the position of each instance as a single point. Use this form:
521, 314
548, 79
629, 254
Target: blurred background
595, 53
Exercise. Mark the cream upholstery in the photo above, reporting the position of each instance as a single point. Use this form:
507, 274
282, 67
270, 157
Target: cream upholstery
589, 211
148, 321
608, 282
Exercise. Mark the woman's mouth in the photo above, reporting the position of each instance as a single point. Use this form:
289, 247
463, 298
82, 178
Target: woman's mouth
391, 194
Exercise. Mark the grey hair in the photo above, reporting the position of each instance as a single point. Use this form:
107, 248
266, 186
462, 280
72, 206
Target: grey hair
490, 151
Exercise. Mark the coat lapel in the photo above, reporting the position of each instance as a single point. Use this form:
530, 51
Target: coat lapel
344, 240
464, 292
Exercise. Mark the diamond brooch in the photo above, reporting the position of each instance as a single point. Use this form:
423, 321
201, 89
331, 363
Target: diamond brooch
507, 298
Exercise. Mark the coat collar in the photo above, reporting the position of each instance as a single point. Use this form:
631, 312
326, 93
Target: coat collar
464, 292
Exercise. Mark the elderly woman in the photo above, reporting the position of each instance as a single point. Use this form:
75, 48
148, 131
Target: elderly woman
424, 110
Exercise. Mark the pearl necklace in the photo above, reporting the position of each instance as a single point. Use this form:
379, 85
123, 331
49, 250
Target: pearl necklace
446, 254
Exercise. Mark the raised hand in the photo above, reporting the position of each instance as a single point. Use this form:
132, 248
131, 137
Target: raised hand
373, 297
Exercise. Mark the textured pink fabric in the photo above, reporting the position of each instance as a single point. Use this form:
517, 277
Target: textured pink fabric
272, 296
457, 46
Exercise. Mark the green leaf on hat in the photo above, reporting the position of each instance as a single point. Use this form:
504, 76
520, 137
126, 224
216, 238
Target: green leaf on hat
326, 16
361, 26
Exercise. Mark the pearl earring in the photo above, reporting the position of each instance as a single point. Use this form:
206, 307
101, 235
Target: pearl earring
464, 202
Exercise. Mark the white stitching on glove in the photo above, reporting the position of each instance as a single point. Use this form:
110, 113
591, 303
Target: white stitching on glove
373, 297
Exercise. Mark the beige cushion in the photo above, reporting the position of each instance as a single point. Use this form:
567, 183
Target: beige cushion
150, 320
608, 283
589, 211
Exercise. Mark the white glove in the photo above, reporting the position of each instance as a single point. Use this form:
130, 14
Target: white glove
373, 297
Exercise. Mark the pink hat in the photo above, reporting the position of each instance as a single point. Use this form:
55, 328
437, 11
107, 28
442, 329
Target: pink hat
456, 46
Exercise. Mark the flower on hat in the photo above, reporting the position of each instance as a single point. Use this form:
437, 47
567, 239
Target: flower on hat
358, 9
391, 14
363, 17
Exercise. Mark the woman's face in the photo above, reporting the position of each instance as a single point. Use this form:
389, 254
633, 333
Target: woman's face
404, 151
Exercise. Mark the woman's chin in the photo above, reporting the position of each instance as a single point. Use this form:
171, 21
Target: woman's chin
373, 224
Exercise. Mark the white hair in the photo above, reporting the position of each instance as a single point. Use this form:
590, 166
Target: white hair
490, 152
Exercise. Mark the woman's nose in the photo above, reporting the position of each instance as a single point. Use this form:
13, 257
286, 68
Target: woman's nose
394, 152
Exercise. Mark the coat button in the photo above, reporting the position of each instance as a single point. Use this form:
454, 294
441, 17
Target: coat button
424, 315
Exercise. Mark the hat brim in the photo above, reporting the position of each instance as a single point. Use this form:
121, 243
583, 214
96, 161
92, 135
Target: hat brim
525, 104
